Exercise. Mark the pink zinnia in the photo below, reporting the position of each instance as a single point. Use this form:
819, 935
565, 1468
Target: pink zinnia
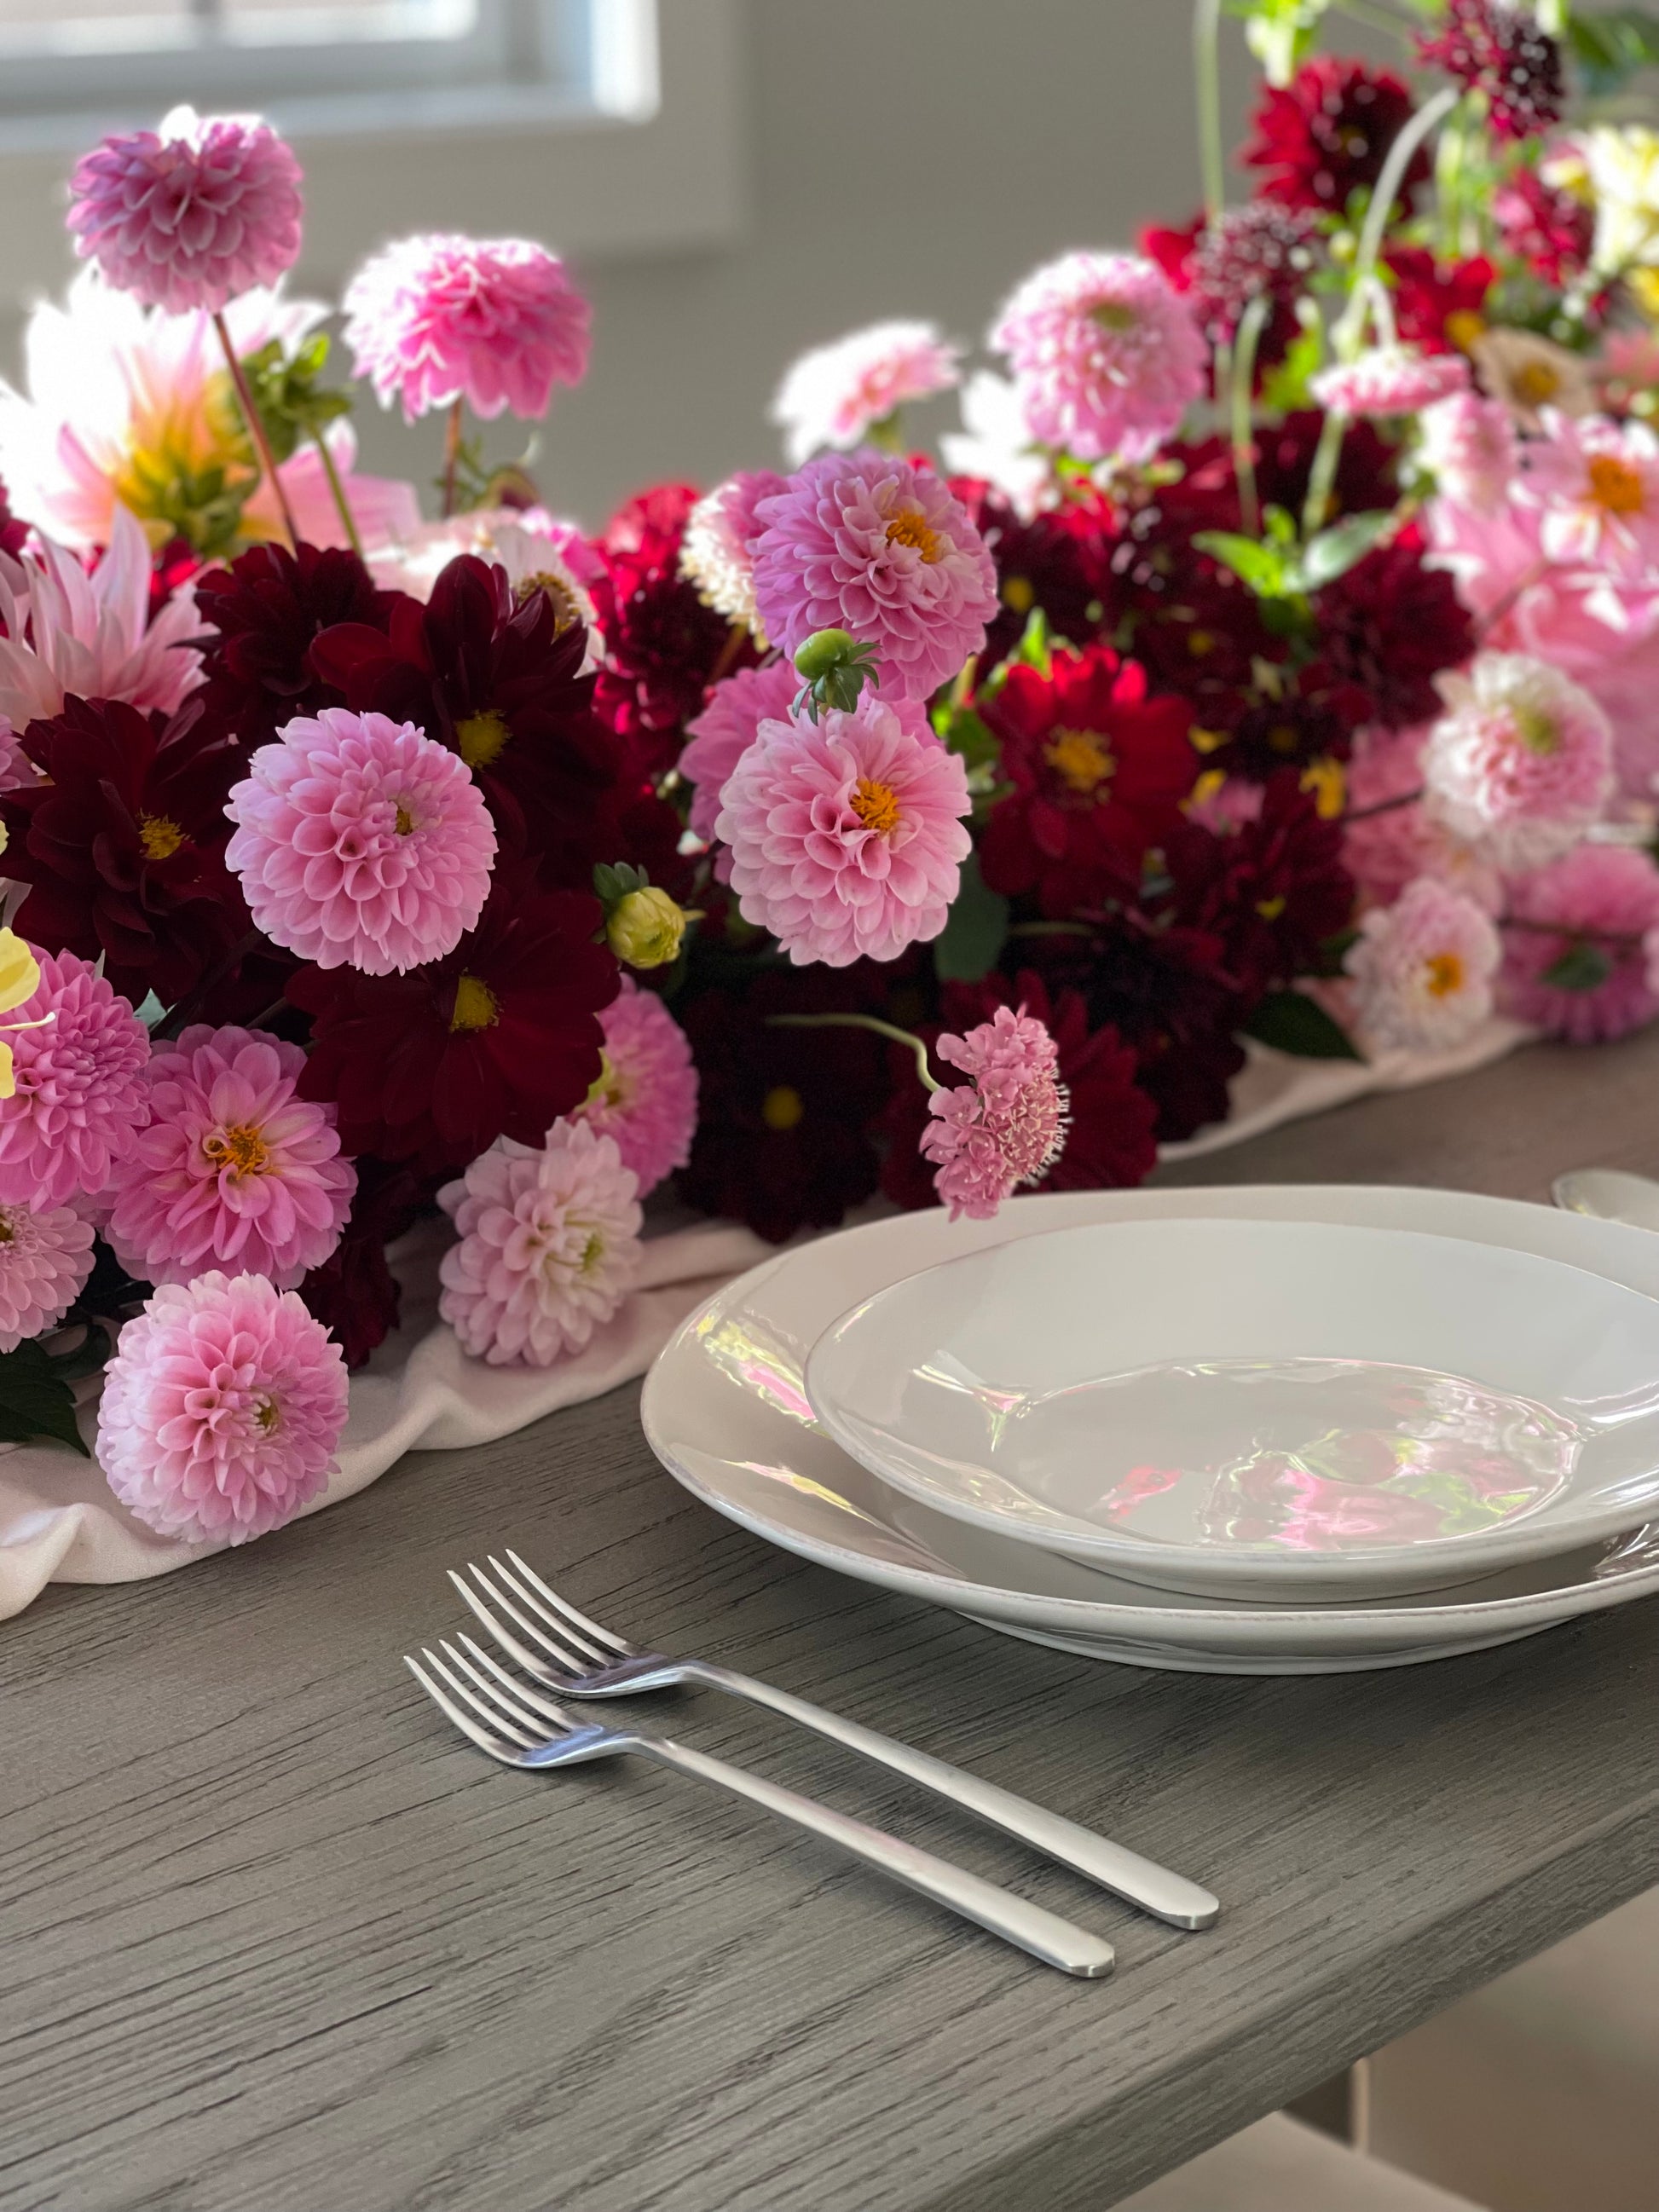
549, 1246
1596, 483
496, 322
717, 552
45, 1260
864, 542
1574, 961
847, 834
361, 842
723, 732
232, 1169
79, 1103
1107, 354
1006, 1124
1522, 763
1422, 968
835, 394
191, 217
1390, 380
221, 1409
646, 1094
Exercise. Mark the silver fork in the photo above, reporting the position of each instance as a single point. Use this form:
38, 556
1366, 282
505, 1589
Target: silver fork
516, 1724
588, 1662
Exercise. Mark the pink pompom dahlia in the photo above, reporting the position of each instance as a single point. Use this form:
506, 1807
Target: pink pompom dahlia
191, 217
221, 1410
717, 553
549, 1246
1522, 763
361, 842
1391, 379
1422, 968
1107, 354
645, 1096
496, 322
1595, 485
45, 1260
1006, 1125
80, 1098
864, 543
1574, 961
836, 393
723, 732
847, 834
232, 1169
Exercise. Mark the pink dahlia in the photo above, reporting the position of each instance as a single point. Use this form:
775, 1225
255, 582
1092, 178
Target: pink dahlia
360, 842
835, 394
496, 322
192, 216
79, 1103
847, 834
723, 732
1107, 354
1422, 968
1522, 763
1574, 961
645, 1094
1389, 836
231, 1168
867, 543
549, 1246
1469, 445
1390, 380
1006, 1124
1596, 483
717, 553
44, 1261
221, 1409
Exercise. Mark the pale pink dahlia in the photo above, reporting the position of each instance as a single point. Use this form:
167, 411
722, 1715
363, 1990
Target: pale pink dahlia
496, 322
44, 1261
1522, 763
847, 834
1574, 961
717, 552
188, 218
1596, 483
1006, 1124
1422, 968
221, 1409
1469, 445
231, 1168
864, 543
549, 1246
1390, 380
79, 1103
1107, 355
645, 1096
726, 729
836, 393
1389, 836
361, 842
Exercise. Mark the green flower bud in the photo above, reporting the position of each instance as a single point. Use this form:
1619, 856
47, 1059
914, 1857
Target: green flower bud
644, 929
836, 667
824, 650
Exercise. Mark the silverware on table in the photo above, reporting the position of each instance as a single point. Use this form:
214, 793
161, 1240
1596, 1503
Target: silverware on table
589, 1661
515, 1724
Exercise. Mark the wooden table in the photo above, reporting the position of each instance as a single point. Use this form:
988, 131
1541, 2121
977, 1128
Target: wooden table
273, 1938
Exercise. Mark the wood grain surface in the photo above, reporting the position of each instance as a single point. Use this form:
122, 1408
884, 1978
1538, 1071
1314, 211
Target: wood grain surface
276, 1940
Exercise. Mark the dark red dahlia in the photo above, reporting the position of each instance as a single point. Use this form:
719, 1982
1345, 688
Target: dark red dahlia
171, 569
1098, 771
1500, 51
1366, 473
1292, 719
1327, 134
1264, 248
1551, 229
1060, 561
497, 1040
14, 533
266, 610
353, 1292
123, 846
1390, 625
1271, 891
1439, 305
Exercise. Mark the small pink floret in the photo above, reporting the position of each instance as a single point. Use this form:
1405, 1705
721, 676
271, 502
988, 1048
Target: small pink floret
646, 1097
1391, 379
44, 1261
723, 732
836, 393
1522, 763
80, 1100
1422, 968
1006, 1124
1574, 960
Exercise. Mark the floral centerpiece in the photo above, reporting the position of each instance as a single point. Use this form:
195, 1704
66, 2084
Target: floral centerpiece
1273, 654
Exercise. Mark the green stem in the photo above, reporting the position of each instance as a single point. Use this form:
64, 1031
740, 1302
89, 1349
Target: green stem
1321, 477
1250, 327
256, 428
451, 455
1207, 76
888, 433
870, 1022
1350, 330
1361, 11
339, 492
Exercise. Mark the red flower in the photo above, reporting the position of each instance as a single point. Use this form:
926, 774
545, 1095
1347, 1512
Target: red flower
497, 1040
14, 533
1366, 476
1439, 305
1098, 769
353, 1292
1498, 49
1222, 266
266, 610
1271, 891
1059, 561
1297, 718
1390, 625
1327, 134
1549, 229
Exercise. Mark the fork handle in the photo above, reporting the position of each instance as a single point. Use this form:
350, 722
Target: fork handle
1044, 1935
1167, 1896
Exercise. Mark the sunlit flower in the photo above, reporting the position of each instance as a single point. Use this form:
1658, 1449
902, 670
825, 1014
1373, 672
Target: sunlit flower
1573, 939
1619, 165
1528, 374
1390, 380
717, 553
836, 394
1597, 484
1499, 49
994, 444
1469, 444
46, 1257
78, 1102
508, 537
1422, 968
1006, 1124
1522, 761
645, 1097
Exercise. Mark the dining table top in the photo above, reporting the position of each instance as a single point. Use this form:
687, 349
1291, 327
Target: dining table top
274, 1936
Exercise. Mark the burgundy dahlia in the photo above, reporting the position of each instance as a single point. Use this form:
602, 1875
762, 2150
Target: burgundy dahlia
1498, 49
266, 610
1272, 890
1549, 229
1058, 561
1327, 134
1390, 625
353, 1293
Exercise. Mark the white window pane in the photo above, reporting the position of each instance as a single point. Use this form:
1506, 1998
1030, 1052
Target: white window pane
112, 27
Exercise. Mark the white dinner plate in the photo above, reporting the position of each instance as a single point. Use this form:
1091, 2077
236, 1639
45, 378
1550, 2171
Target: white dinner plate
725, 1409
1280, 1412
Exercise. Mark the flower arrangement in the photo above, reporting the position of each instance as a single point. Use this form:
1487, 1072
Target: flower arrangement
1273, 654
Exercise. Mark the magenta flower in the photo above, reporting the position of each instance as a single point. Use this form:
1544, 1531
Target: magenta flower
549, 1246
717, 553
1595, 484
221, 1409
1107, 354
1391, 379
44, 1261
867, 543
191, 217
836, 393
496, 322
231, 1168
1422, 968
360, 842
1574, 961
1522, 763
847, 834
1006, 1125
80, 1099
726, 729
645, 1097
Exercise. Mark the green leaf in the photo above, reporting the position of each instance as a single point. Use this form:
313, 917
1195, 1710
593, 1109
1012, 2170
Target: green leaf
1284, 386
614, 880
36, 1403
1292, 1021
976, 930
1612, 44
1033, 649
1331, 553
1264, 569
1581, 968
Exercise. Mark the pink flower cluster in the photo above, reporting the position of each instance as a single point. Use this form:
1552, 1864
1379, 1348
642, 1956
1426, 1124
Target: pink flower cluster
1006, 1125
80, 1099
46, 1257
836, 394
1391, 379
1575, 961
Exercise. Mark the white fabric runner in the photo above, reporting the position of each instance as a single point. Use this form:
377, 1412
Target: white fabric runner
60, 1522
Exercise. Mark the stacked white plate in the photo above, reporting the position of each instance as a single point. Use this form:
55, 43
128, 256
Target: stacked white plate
1270, 1431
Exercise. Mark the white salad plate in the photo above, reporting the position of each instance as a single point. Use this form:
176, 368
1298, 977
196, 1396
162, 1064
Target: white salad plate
1281, 1412
725, 1409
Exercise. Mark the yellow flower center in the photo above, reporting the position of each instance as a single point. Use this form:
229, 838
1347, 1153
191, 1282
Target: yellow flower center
1535, 381
1113, 315
476, 1007
403, 823
782, 1107
1445, 975
1327, 780
1284, 737
1198, 642
909, 529
267, 1417
159, 837
1464, 326
480, 737
241, 1149
1536, 731
1271, 908
593, 1253
1615, 485
566, 612
875, 805
609, 1087
1018, 595
1080, 759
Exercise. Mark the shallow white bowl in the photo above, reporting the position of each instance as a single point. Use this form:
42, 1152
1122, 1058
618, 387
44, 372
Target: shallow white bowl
1273, 1411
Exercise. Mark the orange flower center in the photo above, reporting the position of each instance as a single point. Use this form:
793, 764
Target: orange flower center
875, 805
405, 822
1080, 759
480, 737
159, 838
782, 1107
241, 1149
1535, 381
1464, 326
909, 529
476, 1007
1615, 485
1445, 975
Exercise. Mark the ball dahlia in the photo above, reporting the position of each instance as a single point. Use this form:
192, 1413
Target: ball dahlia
723, 732
645, 1096
835, 394
1522, 763
79, 1098
1573, 957
46, 1257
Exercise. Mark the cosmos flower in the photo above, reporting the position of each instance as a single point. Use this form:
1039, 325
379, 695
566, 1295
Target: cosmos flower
1597, 484
1422, 968
837, 394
